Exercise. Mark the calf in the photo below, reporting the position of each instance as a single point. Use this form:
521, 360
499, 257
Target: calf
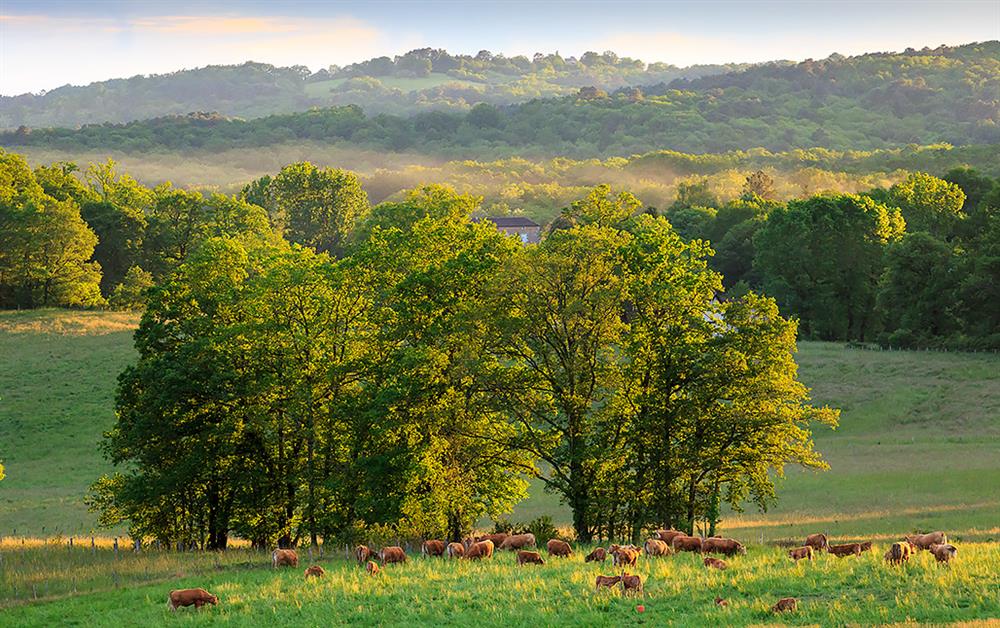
721, 602
817, 541
432, 547
685, 543
372, 568
943, 552
607, 582
518, 541
189, 597
557, 547
667, 536
598, 555
801, 552
392, 554
632, 584
656, 547
785, 604
530, 558
625, 557
714, 563
847, 549
362, 553
315, 572
480, 550
726, 547
284, 558
899, 553
455, 550
924, 541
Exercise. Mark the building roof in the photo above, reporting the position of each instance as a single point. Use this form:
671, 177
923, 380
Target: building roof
512, 221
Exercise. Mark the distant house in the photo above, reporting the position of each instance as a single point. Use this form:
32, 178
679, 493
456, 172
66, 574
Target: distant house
526, 229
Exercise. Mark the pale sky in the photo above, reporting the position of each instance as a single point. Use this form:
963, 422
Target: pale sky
46, 44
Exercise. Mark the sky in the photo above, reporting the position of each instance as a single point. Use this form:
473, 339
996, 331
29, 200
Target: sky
48, 43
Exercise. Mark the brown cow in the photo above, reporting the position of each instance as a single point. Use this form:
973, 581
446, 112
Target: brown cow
497, 538
785, 604
625, 556
899, 553
432, 547
847, 549
372, 568
943, 552
598, 555
518, 541
284, 558
557, 547
533, 558
866, 546
607, 582
315, 572
362, 553
632, 584
189, 597
392, 554
817, 541
801, 552
656, 547
721, 602
479, 550
685, 543
924, 541
456, 550
667, 536
719, 545
715, 562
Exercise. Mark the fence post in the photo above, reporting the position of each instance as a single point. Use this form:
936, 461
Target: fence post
138, 545
310, 552
116, 548
71, 542
93, 546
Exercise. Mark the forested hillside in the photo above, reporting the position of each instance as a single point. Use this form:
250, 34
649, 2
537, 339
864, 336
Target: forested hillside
858, 103
420, 80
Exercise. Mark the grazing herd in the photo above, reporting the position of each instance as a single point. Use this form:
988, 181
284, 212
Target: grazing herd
663, 543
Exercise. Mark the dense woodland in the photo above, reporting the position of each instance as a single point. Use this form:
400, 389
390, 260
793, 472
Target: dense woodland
421, 80
857, 103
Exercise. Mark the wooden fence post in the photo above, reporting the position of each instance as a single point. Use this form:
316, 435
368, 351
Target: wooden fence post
116, 548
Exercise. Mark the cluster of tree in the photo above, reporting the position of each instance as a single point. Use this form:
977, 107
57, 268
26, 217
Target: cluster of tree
417, 378
105, 239
912, 265
380, 85
867, 102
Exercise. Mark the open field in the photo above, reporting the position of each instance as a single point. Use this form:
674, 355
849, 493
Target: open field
678, 590
918, 446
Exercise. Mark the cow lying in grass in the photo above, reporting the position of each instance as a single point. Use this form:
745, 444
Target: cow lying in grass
785, 604
315, 571
715, 563
190, 597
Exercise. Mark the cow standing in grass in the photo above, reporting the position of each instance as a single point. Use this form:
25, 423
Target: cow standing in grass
190, 597
924, 541
284, 558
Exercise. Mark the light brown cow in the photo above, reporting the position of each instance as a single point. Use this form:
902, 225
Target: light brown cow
625, 557
715, 563
847, 549
632, 584
656, 547
456, 550
607, 582
924, 541
943, 552
480, 550
685, 543
518, 541
719, 545
372, 568
362, 553
558, 547
599, 555
190, 597
392, 554
432, 547
497, 538
817, 541
899, 553
315, 572
667, 536
721, 602
799, 553
785, 604
526, 557
284, 558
